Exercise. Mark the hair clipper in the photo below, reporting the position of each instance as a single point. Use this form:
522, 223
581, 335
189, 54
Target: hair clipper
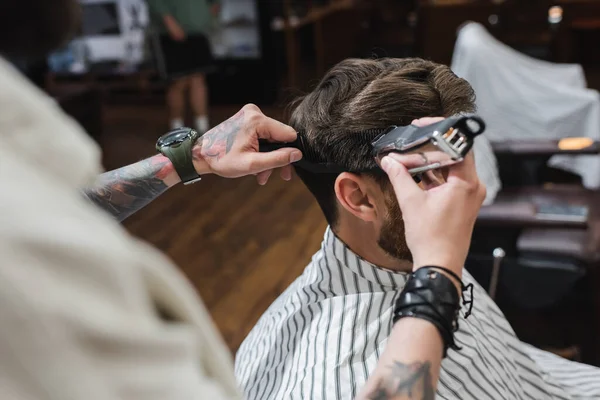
438, 145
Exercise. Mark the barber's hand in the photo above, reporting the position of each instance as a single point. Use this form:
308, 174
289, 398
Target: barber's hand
175, 30
438, 222
231, 148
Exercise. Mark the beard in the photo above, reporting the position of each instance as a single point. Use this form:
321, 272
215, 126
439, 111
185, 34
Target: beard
391, 236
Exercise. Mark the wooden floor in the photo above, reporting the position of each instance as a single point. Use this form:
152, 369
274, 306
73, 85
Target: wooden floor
240, 244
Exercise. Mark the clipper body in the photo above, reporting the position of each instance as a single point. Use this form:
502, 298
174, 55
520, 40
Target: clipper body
438, 145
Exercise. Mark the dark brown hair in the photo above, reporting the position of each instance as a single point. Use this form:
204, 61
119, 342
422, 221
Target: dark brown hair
32, 28
358, 94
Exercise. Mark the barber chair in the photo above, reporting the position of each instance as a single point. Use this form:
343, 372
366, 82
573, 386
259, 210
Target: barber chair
520, 97
536, 243
536, 249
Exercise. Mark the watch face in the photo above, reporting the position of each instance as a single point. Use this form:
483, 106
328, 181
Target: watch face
176, 137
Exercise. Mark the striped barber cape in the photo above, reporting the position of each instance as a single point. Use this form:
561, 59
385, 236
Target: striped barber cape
323, 336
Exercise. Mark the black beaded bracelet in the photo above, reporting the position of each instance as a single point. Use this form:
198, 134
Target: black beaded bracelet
464, 288
432, 296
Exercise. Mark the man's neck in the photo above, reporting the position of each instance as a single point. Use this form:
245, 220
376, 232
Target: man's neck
361, 238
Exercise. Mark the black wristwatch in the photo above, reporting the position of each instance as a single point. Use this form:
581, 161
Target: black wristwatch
177, 145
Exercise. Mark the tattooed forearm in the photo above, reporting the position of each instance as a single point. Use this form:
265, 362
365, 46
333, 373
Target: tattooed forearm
126, 190
218, 141
405, 381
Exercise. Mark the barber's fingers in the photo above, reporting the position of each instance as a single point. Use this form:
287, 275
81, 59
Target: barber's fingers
263, 177
464, 171
412, 160
405, 187
274, 131
252, 162
286, 173
421, 122
465, 175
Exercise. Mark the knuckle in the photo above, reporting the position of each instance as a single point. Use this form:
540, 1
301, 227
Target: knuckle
251, 107
409, 199
253, 164
392, 171
283, 159
395, 177
472, 188
482, 192
255, 118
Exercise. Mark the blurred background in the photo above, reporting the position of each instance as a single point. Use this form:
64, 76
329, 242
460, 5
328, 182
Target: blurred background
535, 67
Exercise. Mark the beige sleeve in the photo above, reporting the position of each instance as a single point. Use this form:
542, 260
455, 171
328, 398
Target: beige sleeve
77, 322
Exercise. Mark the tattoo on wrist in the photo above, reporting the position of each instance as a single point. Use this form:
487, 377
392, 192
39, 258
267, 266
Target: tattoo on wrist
217, 142
405, 381
126, 190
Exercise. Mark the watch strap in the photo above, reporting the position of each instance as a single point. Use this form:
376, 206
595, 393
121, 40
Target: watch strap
183, 163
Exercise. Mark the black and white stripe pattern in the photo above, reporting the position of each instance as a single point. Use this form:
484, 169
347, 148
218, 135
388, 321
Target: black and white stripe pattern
321, 338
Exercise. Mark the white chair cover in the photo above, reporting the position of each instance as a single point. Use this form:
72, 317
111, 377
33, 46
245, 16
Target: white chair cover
522, 97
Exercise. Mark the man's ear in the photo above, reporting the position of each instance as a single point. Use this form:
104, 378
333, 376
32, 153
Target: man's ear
352, 191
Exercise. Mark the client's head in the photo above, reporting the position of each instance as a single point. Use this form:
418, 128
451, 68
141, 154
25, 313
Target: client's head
356, 95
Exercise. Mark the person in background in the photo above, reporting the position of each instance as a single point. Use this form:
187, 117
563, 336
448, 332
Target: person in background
184, 55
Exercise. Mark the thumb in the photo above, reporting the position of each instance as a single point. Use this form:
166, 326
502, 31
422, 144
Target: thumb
258, 162
404, 185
